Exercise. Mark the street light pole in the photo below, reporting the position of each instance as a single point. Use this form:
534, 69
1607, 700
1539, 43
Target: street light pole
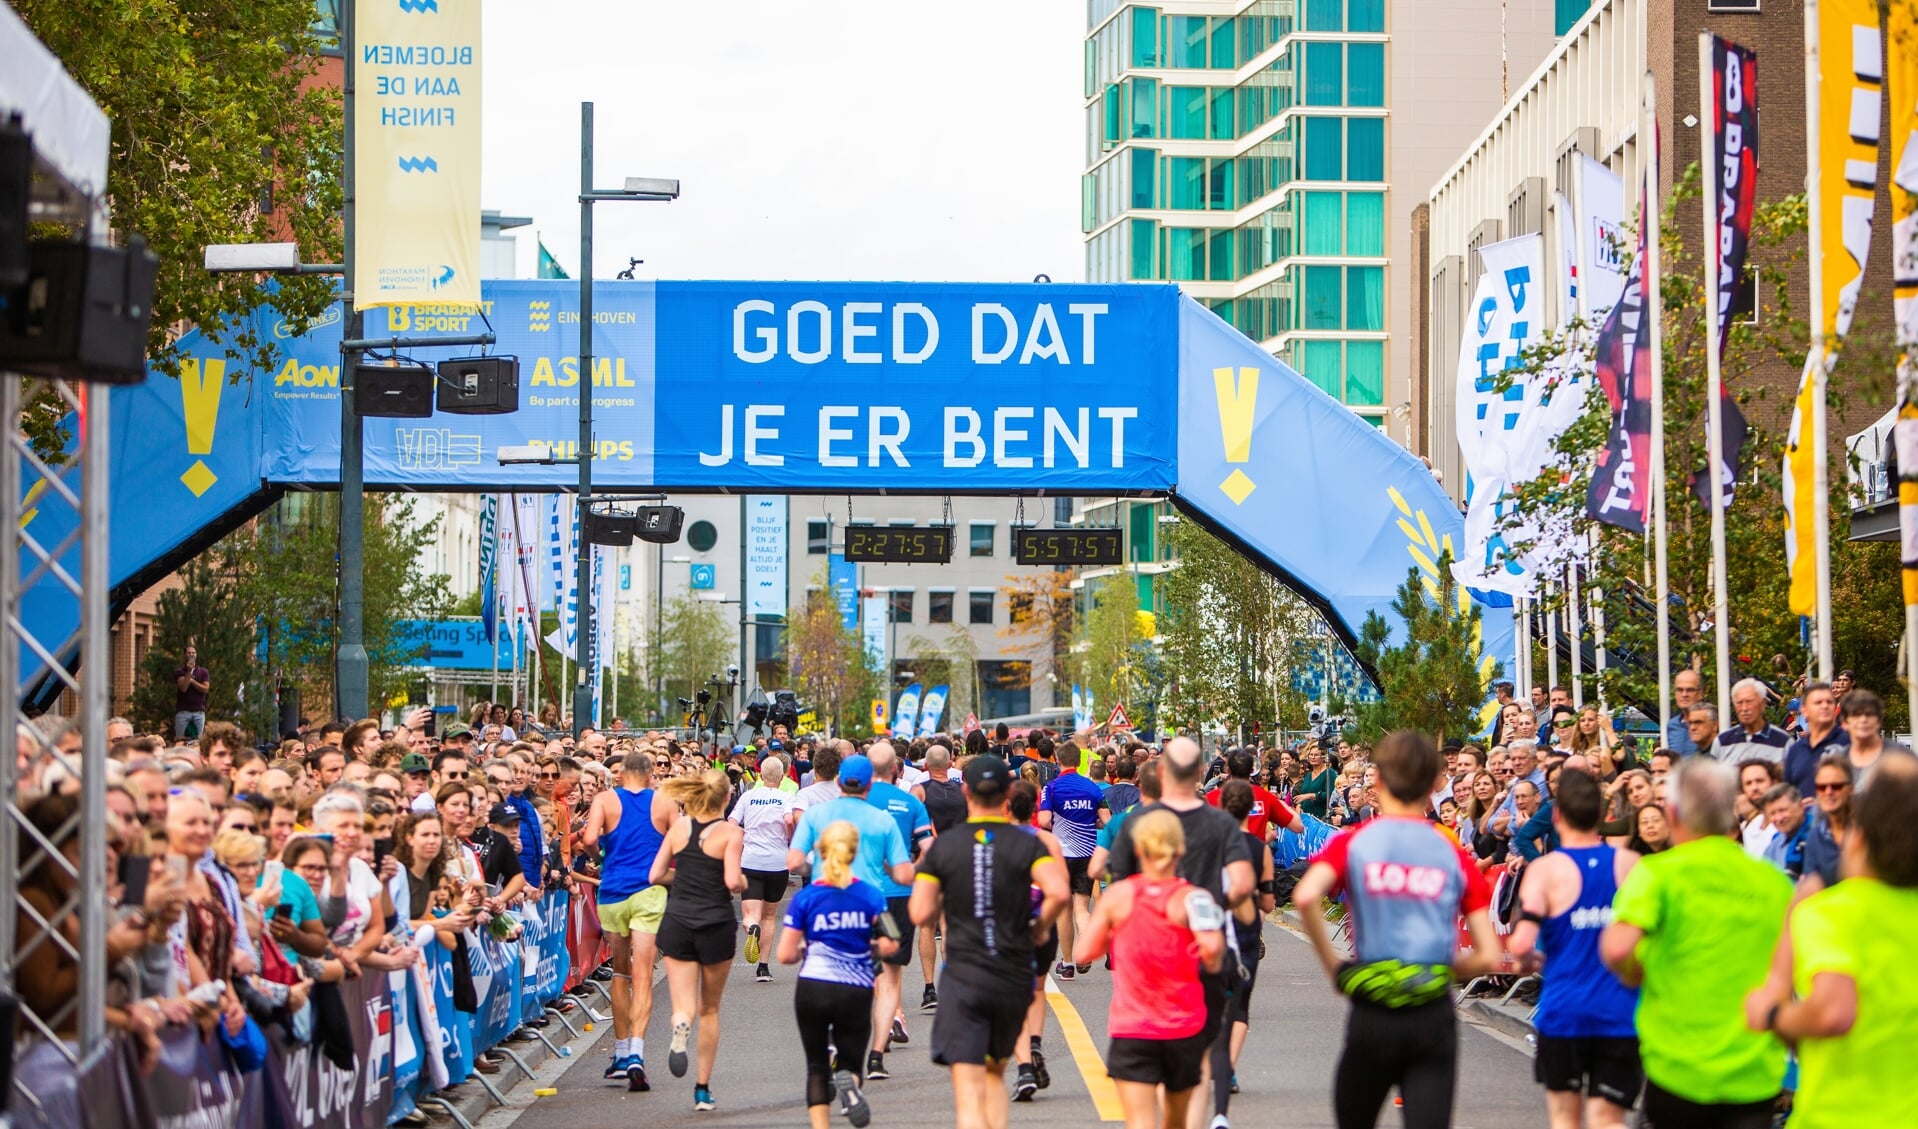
350, 666
583, 647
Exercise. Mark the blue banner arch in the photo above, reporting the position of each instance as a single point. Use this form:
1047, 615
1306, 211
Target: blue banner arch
814, 387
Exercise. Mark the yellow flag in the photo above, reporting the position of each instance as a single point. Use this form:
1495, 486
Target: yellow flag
1851, 61
1901, 78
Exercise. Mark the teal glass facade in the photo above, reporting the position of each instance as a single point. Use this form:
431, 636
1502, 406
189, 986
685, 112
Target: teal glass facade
1245, 154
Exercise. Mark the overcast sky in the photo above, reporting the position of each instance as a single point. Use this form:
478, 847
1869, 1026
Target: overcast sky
830, 139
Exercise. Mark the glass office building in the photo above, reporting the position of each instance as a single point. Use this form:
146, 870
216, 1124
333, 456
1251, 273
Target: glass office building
1245, 154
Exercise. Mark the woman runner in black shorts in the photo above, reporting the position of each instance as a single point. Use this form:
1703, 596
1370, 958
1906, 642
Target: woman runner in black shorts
699, 860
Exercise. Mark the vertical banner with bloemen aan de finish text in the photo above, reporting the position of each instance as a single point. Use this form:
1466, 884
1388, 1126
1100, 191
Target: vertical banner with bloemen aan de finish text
1734, 171
416, 152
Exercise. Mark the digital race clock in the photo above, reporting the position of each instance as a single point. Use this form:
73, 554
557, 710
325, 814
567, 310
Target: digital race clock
1067, 546
890, 544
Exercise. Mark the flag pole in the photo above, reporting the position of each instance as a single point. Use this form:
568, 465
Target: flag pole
1582, 239
1715, 387
1651, 302
1577, 632
1821, 473
1551, 639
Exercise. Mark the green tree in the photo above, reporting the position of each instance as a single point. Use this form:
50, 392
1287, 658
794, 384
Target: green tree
1112, 645
219, 135
1434, 679
205, 611
831, 671
695, 643
1233, 639
953, 662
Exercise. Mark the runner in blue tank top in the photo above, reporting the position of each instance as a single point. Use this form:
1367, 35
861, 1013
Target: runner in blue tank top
1587, 1045
626, 824
1073, 808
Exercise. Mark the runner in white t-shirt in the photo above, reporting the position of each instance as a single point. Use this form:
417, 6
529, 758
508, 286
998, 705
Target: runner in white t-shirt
762, 812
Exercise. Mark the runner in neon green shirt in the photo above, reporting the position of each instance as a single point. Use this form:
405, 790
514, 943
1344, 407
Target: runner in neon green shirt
1847, 959
1696, 926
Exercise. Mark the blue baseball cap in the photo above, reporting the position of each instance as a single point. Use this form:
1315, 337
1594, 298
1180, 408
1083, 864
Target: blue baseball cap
856, 771
739, 748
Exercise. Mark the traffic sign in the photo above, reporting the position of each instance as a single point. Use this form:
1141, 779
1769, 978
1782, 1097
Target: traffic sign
1118, 722
972, 722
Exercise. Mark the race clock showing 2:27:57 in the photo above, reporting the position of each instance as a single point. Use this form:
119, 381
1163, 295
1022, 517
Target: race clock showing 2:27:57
898, 544
1067, 546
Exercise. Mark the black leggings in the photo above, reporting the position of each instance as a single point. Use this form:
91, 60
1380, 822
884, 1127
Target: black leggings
1237, 1011
836, 1014
1413, 1048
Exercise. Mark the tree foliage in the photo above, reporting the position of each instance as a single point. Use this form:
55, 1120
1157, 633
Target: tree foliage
1760, 353
273, 586
1234, 639
1112, 650
695, 643
1433, 679
1041, 616
218, 136
831, 670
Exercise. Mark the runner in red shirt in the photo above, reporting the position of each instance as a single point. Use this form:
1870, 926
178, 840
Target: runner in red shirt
1268, 811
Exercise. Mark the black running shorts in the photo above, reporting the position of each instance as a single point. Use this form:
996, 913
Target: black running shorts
976, 1025
1172, 1063
1593, 1065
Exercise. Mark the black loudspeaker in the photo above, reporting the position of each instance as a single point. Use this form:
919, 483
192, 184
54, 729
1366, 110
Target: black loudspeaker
393, 391
610, 527
660, 524
16, 181
479, 386
82, 313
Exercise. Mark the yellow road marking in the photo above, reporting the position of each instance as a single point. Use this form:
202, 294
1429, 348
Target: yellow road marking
1092, 1068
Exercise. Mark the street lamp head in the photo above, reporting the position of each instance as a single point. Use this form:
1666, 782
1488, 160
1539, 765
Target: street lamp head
653, 186
252, 258
531, 454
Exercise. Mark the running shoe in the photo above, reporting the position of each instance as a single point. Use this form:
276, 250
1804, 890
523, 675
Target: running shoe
876, 1066
752, 945
1039, 1072
930, 1000
636, 1082
852, 1103
1062, 971
1026, 1086
616, 1068
898, 1034
676, 1053
764, 974
1220, 1122
1084, 968
1235, 1081
703, 1100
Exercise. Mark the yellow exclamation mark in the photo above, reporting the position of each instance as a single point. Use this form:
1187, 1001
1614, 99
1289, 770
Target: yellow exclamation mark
1236, 404
200, 385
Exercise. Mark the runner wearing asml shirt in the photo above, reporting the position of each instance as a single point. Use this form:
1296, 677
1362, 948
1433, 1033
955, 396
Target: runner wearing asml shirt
1072, 808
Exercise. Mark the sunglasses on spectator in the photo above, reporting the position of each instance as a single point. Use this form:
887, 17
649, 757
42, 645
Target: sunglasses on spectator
1564, 723
249, 828
549, 776
1832, 787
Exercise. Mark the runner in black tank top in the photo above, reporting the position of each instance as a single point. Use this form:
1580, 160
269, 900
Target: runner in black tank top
1236, 799
697, 936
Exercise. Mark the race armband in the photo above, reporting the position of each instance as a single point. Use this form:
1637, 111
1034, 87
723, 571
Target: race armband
1270, 887
1203, 912
885, 926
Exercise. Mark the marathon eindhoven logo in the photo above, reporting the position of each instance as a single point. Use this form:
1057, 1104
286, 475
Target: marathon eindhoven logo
419, 164
539, 316
420, 6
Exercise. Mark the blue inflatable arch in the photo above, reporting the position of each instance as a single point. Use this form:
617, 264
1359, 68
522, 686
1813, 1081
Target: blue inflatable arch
814, 388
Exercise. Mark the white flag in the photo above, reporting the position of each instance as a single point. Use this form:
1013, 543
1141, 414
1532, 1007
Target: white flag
563, 543
1601, 215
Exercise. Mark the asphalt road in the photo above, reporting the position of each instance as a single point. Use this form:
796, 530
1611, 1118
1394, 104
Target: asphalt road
759, 1080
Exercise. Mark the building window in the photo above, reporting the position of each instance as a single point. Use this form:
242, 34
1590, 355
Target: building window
1324, 74
980, 606
1005, 688
899, 605
818, 538
1145, 37
981, 538
1186, 107
1365, 223
1365, 149
1319, 363
1324, 149
1365, 15
938, 606
1321, 299
1365, 298
1365, 74
1321, 224
1324, 15
1145, 163
1365, 373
